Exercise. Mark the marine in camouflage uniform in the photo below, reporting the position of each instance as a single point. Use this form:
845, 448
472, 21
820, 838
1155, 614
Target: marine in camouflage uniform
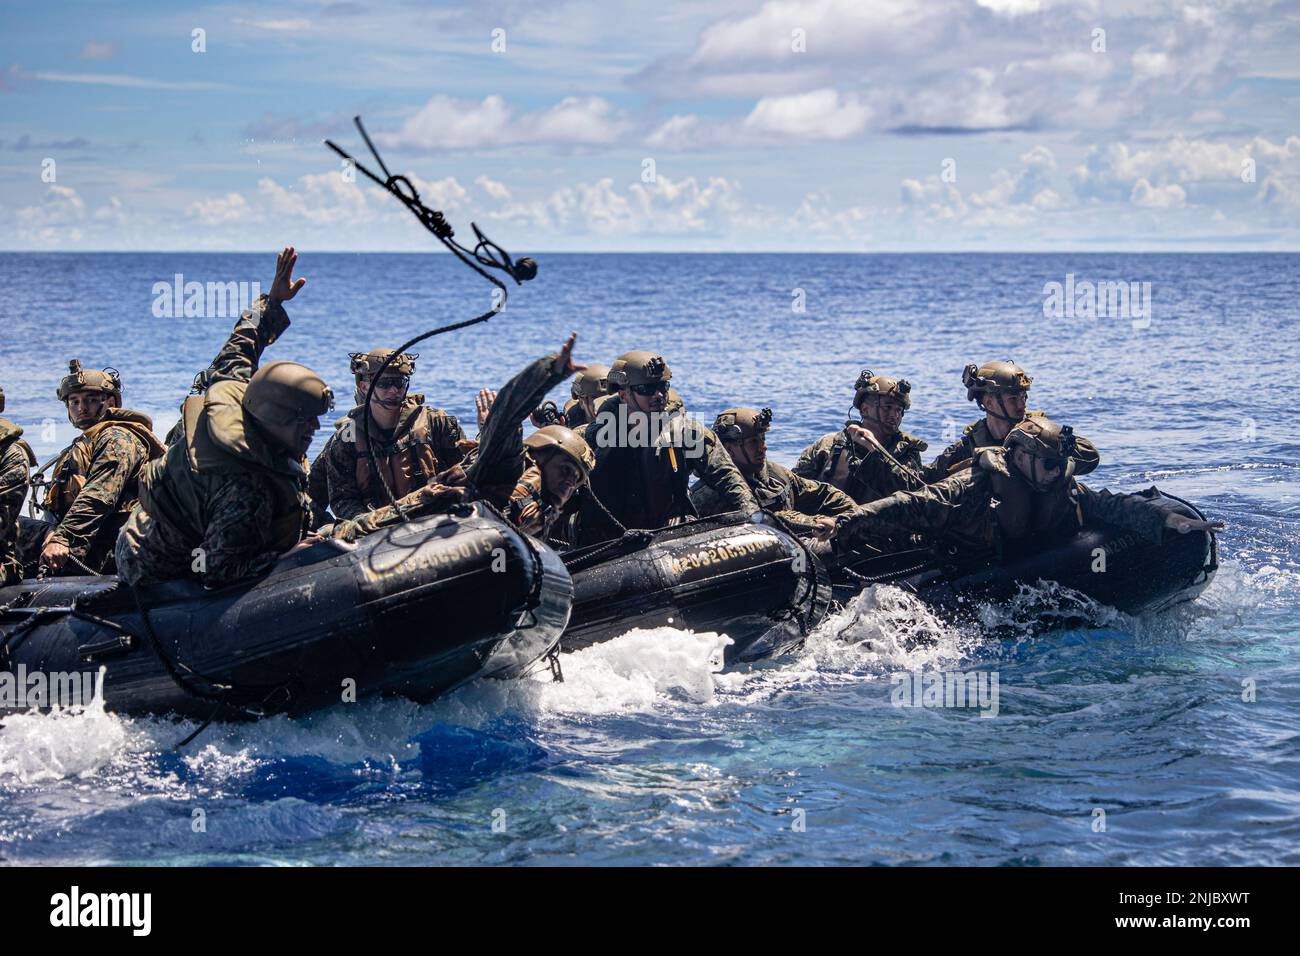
559, 463
501, 467
797, 501
94, 481
418, 443
589, 391
16, 459
1000, 389
1023, 490
229, 498
875, 458
643, 479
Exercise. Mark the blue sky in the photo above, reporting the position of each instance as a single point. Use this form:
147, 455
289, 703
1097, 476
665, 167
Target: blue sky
871, 125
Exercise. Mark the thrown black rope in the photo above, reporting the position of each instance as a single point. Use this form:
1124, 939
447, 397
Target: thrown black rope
486, 254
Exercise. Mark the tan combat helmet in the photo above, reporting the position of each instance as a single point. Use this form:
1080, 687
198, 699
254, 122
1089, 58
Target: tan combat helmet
869, 384
590, 382
737, 424
369, 363
638, 368
108, 381
557, 438
284, 392
1044, 439
993, 378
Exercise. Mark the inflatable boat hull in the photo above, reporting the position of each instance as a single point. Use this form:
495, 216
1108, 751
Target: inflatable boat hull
416, 610
1113, 566
753, 582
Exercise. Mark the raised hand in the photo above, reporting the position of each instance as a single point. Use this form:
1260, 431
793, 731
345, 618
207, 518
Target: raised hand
483, 404
284, 286
563, 364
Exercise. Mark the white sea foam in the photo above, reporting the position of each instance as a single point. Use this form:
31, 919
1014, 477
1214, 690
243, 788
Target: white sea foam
74, 742
881, 631
635, 672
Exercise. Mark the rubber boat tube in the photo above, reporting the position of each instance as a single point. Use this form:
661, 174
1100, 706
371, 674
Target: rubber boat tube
415, 610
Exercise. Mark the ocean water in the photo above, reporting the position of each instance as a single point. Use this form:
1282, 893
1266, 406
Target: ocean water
1170, 739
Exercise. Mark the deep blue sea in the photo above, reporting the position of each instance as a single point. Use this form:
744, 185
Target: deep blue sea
1180, 733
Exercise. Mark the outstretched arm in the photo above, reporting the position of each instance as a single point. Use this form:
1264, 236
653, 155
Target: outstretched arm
258, 326
1135, 513
500, 459
906, 512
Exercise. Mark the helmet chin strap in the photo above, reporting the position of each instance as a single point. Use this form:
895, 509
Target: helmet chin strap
997, 400
95, 420
748, 463
875, 418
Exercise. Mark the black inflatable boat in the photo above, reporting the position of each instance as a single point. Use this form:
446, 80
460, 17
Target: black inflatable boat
753, 582
1113, 566
413, 610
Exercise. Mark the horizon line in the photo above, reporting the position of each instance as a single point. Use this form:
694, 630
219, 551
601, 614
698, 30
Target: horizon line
675, 252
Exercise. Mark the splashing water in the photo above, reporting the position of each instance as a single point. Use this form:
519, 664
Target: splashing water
1180, 725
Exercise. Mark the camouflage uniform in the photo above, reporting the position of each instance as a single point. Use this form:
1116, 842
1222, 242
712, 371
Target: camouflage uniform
495, 468
647, 487
220, 506
794, 499
529, 510
424, 442
864, 474
318, 488
16, 458
980, 510
977, 435
94, 484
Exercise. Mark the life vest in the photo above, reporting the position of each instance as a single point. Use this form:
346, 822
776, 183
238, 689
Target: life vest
528, 509
73, 466
407, 460
900, 446
1020, 510
218, 442
11, 435
770, 490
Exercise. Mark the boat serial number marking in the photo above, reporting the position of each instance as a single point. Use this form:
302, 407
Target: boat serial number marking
431, 559
718, 554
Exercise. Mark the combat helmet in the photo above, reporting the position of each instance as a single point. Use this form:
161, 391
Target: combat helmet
283, 392
1044, 439
737, 424
994, 378
870, 384
567, 442
108, 381
369, 363
590, 382
638, 368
